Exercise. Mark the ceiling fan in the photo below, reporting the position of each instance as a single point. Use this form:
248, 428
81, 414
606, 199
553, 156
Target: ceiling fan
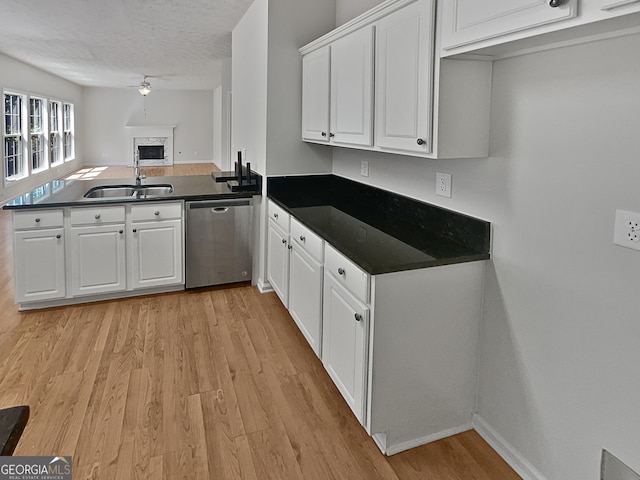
145, 87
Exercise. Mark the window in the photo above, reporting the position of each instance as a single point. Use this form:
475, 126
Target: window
37, 128
37, 134
55, 138
68, 132
14, 142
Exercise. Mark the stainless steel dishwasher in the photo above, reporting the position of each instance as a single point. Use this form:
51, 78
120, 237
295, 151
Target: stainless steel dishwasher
218, 242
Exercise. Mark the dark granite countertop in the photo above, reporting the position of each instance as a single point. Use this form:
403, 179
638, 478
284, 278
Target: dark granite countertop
380, 231
63, 193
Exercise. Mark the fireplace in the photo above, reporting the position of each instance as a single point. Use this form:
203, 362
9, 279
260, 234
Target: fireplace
152, 144
151, 152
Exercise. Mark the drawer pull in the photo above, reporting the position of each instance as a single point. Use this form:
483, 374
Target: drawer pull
420, 141
358, 317
156, 213
340, 271
555, 3
284, 240
97, 216
37, 220
121, 232
290, 247
302, 239
58, 236
275, 215
135, 230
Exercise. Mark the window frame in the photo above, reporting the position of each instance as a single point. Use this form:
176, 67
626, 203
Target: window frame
68, 129
55, 134
38, 137
20, 134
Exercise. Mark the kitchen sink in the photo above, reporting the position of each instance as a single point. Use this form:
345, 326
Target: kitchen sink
128, 191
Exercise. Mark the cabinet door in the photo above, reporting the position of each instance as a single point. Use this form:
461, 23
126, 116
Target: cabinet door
278, 262
305, 295
315, 95
352, 88
39, 265
404, 79
97, 259
156, 253
469, 21
345, 333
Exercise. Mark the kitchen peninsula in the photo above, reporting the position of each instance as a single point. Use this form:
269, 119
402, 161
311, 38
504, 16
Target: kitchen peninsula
73, 246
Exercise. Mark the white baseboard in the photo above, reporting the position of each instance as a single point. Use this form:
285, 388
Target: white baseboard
508, 453
388, 450
264, 287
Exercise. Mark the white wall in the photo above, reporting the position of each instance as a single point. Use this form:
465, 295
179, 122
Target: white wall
559, 351
108, 110
293, 24
249, 80
349, 9
23, 78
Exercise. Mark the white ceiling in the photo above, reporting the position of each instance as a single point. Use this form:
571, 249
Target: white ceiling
179, 44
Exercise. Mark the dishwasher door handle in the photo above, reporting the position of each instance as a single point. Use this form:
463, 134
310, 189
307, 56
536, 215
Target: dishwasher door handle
220, 209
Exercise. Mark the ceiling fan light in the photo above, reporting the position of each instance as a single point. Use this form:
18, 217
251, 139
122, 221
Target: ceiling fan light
145, 89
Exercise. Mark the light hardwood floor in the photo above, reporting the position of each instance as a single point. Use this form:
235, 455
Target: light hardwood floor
211, 383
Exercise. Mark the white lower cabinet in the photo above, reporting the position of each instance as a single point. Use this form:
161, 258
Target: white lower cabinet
345, 328
305, 283
95, 250
97, 262
39, 264
400, 347
156, 245
278, 252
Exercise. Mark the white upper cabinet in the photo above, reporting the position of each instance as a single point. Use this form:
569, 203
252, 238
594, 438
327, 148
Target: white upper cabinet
315, 95
389, 92
470, 21
404, 80
352, 88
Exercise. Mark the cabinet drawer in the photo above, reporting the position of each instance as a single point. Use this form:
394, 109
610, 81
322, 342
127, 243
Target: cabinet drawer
308, 240
155, 211
97, 215
38, 219
279, 216
347, 273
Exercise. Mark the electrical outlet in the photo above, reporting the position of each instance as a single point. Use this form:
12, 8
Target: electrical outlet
443, 184
626, 231
364, 168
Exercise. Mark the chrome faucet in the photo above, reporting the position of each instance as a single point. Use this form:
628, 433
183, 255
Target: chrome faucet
136, 169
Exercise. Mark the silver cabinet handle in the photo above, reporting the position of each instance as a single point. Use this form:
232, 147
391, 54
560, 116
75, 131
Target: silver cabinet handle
358, 317
275, 215
290, 247
420, 141
156, 213
302, 239
284, 240
97, 216
341, 271
37, 220
58, 236
324, 134
555, 3
122, 231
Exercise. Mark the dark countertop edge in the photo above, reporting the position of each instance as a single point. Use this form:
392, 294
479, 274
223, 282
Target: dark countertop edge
391, 268
117, 201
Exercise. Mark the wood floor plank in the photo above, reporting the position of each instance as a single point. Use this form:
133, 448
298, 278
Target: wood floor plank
213, 384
